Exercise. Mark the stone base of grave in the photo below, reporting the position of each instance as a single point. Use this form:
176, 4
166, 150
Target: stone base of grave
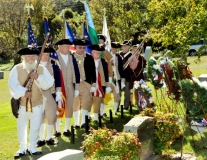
144, 127
68, 154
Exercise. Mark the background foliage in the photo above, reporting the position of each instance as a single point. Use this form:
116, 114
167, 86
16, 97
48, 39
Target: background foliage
173, 24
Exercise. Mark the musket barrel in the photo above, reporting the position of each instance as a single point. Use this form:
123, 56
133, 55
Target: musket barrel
30, 81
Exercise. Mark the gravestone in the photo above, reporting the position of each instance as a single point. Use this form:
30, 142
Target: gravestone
68, 154
144, 127
1, 75
202, 77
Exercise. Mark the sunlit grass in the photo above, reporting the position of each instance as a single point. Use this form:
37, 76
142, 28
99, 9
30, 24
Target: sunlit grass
8, 131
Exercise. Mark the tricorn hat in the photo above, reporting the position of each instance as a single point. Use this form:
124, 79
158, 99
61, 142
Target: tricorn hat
81, 42
127, 42
47, 49
100, 36
28, 51
64, 41
115, 45
96, 47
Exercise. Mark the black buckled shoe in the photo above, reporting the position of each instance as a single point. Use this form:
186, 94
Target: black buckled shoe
104, 115
126, 108
67, 134
83, 125
40, 143
19, 154
89, 119
51, 142
34, 153
57, 134
77, 127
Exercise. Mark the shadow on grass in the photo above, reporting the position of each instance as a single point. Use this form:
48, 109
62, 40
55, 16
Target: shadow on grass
64, 142
193, 143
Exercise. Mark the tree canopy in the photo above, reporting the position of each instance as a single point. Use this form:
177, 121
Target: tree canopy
178, 23
171, 22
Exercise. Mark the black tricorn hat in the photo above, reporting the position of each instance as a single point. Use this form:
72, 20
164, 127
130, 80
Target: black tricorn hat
100, 36
28, 51
47, 49
81, 42
115, 45
127, 42
96, 47
64, 41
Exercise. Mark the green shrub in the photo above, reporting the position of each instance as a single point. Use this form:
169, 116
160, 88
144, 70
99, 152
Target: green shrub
106, 143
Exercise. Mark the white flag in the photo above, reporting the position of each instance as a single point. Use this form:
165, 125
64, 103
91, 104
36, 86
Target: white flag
105, 32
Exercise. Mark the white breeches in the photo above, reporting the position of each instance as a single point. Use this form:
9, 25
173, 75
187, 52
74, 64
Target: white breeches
35, 118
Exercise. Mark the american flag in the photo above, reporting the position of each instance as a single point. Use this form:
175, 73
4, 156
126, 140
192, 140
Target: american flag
54, 56
47, 30
32, 41
70, 35
69, 32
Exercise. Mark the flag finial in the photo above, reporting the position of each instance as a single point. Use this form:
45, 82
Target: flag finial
28, 7
44, 8
104, 11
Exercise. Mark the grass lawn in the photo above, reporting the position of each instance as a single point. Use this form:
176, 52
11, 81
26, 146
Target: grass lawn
8, 132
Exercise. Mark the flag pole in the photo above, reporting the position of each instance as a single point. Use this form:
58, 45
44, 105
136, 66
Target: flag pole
64, 34
84, 21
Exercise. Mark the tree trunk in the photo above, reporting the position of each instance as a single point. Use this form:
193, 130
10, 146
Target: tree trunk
16, 59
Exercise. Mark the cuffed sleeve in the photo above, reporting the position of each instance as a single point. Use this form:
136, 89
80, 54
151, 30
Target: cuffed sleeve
46, 80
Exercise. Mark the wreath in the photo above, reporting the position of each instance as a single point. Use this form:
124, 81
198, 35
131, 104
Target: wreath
155, 73
168, 68
144, 95
195, 97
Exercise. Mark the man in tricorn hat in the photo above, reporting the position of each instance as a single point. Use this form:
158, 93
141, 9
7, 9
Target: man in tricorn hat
51, 96
87, 70
118, 74
33, 109
71, 77
107, 57
137, 63
102, 85
125, 54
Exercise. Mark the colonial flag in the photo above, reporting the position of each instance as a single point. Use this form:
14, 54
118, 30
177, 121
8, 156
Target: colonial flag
105, 32
54, 58
69, 35
91, 28
32, 42
86, 36
47, 30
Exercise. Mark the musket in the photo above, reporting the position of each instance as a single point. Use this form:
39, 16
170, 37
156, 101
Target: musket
137, 51
30, 81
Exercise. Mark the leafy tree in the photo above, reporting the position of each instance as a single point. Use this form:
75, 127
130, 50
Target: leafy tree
177, 23
12, 28
124, 17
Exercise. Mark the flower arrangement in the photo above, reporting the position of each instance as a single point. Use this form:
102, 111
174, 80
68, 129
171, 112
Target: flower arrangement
107, 143
194, 95
171, 81
144, 94
155, 73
